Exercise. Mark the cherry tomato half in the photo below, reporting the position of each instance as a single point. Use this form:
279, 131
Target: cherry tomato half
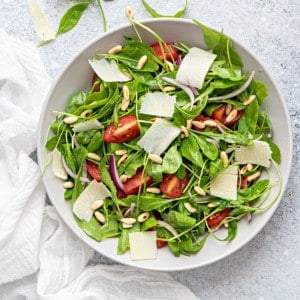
166, 51
220, 115
133, 184
172, 186
127, 130
97, 85
93, 170
160, 244
218, 217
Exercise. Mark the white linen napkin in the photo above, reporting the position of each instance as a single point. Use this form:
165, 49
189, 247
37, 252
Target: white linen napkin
40, 258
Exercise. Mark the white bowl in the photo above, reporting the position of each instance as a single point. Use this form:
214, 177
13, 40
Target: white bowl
77, 75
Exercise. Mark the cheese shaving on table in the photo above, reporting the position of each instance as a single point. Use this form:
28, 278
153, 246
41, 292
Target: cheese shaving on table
224, 185
158, 104
259, 154
194, 67
41, 25
94, 191
159, 137
108, 70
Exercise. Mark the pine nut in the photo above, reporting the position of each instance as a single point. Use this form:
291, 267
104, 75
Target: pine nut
228, 108
94, 156
121, 152
170, 66
184, 131
124, 225
142, 61
125, 91
199, 190
97, 204
86, 113
249, 99
115, 49
99, 216
226, 224
232, 115
71, 120
123, 178
243, 170
189, 207
122, 159
210, 123
155, 158
153, 190
143, 217
129, 221
212, 204
168, 88
124, 104
224, 158
253, 176
68, 184
129, 12
188, 124
249, 167
198, 124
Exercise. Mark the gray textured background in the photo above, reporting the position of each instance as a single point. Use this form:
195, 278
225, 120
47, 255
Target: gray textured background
269, 266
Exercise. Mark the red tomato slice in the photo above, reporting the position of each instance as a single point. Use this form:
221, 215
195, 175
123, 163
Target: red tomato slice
169, 52
172, 186
127, 130
97, 85
160, 244
133, 184
220, 115
93, 170
218, 217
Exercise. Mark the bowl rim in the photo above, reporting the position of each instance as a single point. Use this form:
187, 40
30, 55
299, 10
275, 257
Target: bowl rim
149, 21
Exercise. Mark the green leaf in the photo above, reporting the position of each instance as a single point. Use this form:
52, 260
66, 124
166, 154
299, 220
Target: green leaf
123, 242
154, 170
76, 101
209, 149
248, 122
70, 19
276, 154
189, 149
155, 14
253, 192
188, 246
151, 202
172, 160
179, 220
51, 144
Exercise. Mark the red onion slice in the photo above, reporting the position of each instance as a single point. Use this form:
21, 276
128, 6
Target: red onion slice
114, 173
72, 174
236, 92
168, 227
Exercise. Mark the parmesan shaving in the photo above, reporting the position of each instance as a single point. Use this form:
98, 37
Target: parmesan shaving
143, 245
94, 191
224, 185
108, 70
259, 154
194, 67
57, 165
159, 137
158, 104
41, 25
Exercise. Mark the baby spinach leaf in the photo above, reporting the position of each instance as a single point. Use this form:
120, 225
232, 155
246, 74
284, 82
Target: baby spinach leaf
189, 149
76, 101
179, 220
155, 14
70, 19
123, 242
172, 160
209, 149
151, 202
95, 142
248, 122
154, 170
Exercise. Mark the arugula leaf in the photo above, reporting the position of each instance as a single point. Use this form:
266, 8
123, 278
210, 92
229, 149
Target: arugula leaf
276, 154
72, 16
253, 192
155, 14
179, 220
189, 149
75, 101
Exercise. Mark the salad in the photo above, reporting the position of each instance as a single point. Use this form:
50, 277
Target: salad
170, 144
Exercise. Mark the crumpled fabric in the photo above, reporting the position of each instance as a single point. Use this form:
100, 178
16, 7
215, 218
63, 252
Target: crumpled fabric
40, 258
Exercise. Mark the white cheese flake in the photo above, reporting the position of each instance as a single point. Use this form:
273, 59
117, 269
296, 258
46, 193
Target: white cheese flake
94, 191
41, 25
159, 137
108, 70
259, 154
57, 165
143, 245
224, 185
87, 125
194, 67
158, 104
